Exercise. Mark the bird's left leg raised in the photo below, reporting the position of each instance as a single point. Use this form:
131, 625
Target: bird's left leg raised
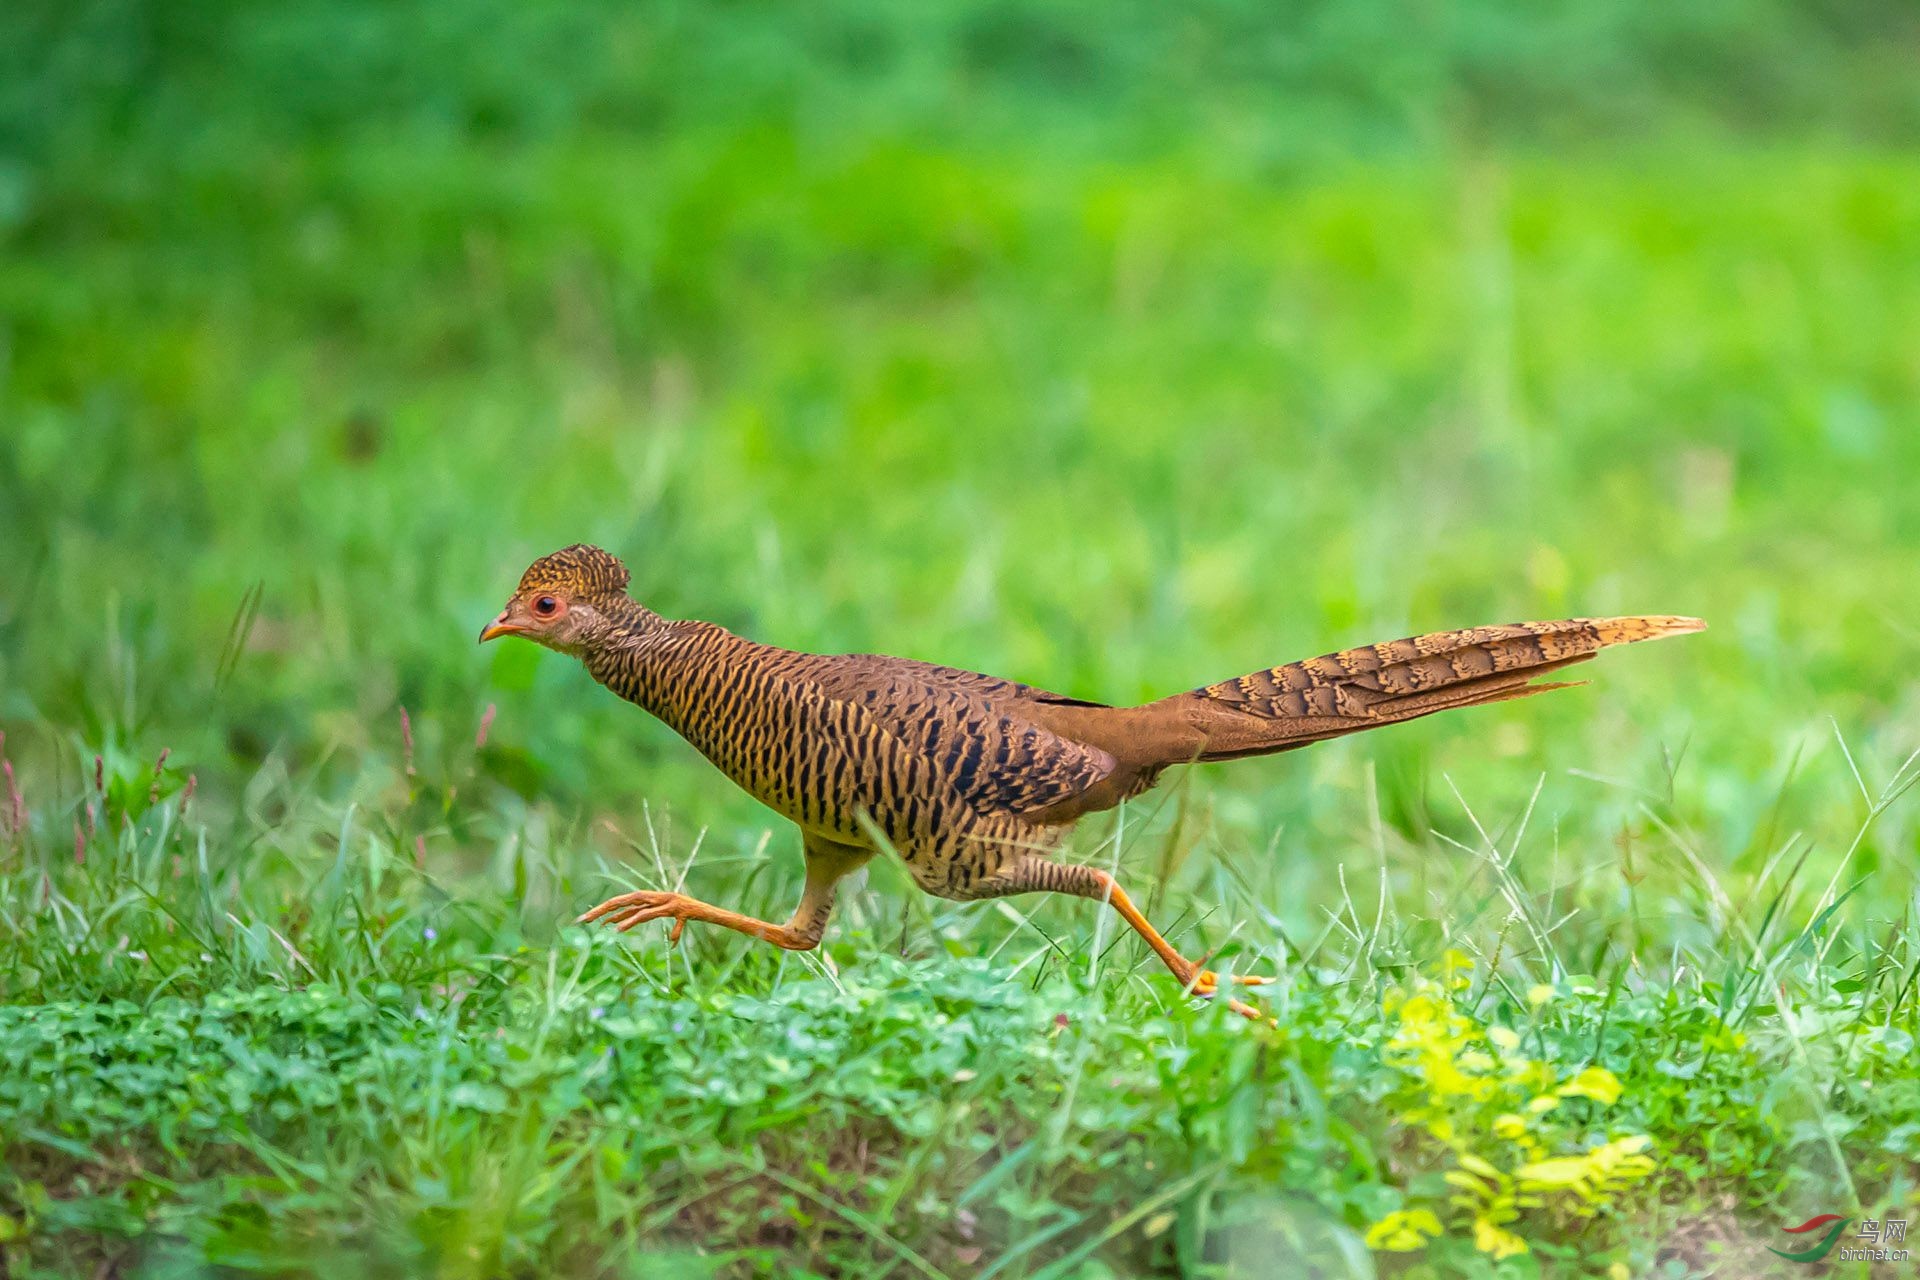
827, 864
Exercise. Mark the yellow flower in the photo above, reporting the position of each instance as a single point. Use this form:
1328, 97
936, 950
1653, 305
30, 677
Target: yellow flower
1597, 1083
1539, 994
1403, 1231
1498, 1241
1503, 1039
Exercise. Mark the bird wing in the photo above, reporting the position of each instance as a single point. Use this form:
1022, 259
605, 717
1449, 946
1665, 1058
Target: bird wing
971, 683
965, 729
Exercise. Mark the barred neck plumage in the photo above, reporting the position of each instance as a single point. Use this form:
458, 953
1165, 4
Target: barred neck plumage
628, 619
623, 656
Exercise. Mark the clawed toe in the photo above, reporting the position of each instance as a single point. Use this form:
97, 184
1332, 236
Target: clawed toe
1207, 982
610, 906
673, 907
1248, 1011
629, 909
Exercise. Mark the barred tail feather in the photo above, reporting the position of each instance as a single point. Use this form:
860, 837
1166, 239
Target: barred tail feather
1281, 708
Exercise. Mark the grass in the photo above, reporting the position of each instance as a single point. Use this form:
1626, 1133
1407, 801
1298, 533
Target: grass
1023, 348
291, 1040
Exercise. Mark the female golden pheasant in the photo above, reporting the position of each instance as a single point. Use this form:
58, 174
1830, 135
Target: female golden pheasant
973, 779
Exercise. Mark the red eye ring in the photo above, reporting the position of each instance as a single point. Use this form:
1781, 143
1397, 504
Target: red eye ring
546, 606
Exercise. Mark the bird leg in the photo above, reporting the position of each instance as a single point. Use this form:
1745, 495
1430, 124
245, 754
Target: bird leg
826, 865
1031, 873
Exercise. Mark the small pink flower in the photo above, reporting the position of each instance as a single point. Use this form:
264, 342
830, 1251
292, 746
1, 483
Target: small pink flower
16, 806
159, 766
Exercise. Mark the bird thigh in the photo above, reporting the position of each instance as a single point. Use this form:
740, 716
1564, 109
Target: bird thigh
975, 865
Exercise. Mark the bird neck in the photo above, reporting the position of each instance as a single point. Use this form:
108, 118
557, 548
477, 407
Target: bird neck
629, 621
625, 655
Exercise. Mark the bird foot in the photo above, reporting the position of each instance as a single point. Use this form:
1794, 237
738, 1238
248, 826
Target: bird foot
628, 910
1207, 982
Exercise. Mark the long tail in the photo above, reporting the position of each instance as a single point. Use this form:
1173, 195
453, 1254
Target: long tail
1286, 707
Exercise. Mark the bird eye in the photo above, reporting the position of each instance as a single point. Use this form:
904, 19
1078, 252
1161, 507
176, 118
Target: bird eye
546, 606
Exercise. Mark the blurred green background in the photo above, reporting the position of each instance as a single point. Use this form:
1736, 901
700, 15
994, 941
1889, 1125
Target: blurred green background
1112, 348
1117, 348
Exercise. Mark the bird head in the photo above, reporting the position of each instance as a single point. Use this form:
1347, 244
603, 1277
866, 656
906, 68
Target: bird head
564, 601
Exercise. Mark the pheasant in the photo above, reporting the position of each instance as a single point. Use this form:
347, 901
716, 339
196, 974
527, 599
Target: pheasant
974, 780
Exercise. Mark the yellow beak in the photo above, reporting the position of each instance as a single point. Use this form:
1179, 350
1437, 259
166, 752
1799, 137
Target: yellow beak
497, 628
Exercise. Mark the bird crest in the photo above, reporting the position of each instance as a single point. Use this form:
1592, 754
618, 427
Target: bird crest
579, 570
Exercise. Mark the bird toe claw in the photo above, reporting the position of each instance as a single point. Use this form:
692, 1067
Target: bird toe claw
616, 904
629, 909
1207, 982
1248, 1011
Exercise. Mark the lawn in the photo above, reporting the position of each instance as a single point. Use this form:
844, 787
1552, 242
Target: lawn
1120, 353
